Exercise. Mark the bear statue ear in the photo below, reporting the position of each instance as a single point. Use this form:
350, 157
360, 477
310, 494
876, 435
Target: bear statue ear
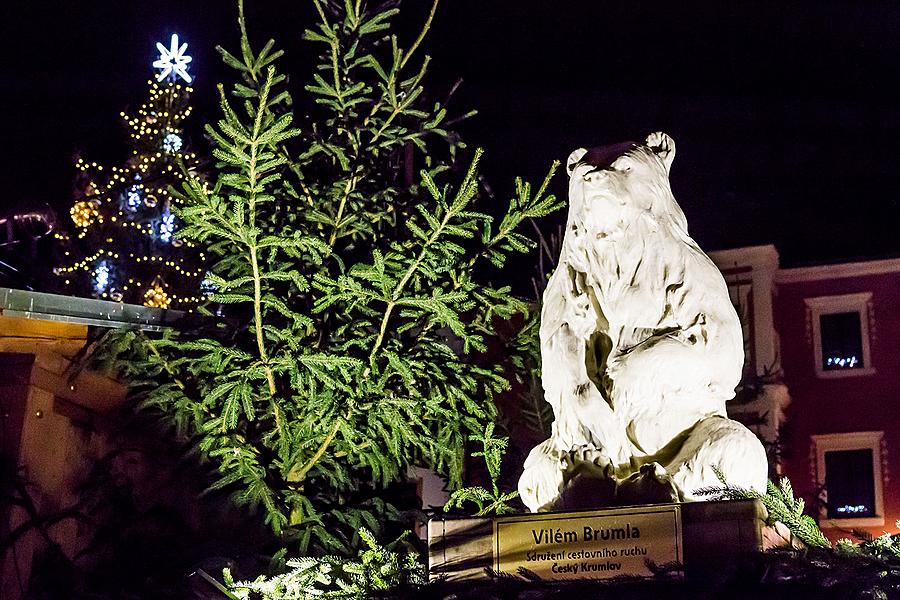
574, 159
663, 146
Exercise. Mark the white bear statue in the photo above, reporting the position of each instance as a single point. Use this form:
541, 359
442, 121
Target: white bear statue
640, 345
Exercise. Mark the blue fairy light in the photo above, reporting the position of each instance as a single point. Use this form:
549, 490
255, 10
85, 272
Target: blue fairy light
172, 142
101, 276
135, 195
166, 226
842, 362
208, 287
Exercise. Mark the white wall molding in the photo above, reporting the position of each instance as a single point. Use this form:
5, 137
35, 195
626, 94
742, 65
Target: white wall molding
838, 271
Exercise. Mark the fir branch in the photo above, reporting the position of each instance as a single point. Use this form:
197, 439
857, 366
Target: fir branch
421, 37
375, 569
781, 505
351, 185
493, 501
466, 192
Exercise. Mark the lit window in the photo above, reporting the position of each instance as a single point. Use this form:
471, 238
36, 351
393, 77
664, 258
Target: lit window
850, 482
840, 334
841, 341
848, 467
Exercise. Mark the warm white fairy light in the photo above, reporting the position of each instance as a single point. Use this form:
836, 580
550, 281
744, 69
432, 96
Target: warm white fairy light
84, 212
156, 296
172, 60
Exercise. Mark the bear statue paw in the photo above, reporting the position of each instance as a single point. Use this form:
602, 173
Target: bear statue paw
590, 478
652, 484
588, 461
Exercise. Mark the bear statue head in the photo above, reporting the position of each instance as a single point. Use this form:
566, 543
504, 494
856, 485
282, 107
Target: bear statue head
611, 186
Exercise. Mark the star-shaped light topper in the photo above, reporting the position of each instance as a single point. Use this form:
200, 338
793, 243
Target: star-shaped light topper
172, 60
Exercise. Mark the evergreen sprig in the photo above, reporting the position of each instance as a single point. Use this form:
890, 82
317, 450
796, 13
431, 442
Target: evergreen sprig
353, 313
781, 506
884, 547
375, 569
492, 501
525, 352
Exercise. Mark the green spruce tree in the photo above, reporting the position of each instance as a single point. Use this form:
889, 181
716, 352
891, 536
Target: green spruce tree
359, 296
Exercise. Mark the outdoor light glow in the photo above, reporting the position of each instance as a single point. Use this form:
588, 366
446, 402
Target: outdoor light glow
853, 508
134, 195
842, 362
101, 277
156, 296
172, 61
167, 226
207, 286
171, 143
84, 212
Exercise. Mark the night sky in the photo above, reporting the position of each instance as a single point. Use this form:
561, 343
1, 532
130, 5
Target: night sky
786, 116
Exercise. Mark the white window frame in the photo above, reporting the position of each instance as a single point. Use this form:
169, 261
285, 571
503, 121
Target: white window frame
829, 305
860, 440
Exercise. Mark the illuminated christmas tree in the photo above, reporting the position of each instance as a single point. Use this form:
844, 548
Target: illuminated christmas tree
122, 244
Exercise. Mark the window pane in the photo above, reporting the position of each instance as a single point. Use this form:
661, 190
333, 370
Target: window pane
841, 341
850, 481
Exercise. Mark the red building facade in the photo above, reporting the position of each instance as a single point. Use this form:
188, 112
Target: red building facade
830, 335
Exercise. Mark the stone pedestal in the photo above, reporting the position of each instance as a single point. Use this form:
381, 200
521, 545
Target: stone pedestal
711, 536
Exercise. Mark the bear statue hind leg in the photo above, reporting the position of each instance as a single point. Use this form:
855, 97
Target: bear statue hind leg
719, 443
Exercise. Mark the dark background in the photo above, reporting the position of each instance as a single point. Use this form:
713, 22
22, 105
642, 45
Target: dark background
785, 114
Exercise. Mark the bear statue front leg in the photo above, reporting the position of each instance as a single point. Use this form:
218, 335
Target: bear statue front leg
580, 476
542, 480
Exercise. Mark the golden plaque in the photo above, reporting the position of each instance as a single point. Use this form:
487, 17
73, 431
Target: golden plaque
599, 544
